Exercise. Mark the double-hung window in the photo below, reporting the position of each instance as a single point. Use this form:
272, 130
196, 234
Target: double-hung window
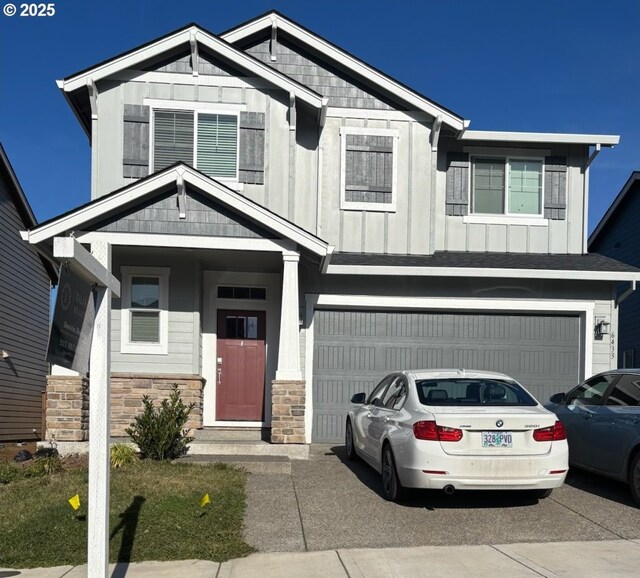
144, 313
506, 185
369, 169
208, 141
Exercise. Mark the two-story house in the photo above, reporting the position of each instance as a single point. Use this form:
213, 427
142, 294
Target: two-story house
289, 224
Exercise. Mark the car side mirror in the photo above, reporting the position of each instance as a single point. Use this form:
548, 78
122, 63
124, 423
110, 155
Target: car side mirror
359, 398
558, 398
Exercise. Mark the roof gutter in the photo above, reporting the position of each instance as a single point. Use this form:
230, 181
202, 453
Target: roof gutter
626, 293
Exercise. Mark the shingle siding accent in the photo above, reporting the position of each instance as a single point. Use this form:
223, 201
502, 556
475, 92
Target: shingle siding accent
317, 75
457, 189
203, 217
555, 188
369, 169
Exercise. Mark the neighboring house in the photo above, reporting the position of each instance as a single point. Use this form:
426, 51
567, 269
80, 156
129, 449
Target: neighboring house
289, 224
25, 287
618, 236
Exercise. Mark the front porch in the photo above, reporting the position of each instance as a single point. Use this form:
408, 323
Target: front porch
210, 301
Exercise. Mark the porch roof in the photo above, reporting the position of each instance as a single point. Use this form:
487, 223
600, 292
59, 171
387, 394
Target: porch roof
255, 226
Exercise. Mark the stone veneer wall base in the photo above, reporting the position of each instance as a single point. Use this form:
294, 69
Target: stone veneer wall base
287, 411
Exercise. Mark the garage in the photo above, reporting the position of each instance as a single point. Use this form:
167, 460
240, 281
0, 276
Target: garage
353, 350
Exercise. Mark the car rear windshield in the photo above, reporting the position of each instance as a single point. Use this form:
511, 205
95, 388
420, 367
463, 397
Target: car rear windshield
472, 392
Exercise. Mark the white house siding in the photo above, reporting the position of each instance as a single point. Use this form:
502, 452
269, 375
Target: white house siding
184, 317
554, 236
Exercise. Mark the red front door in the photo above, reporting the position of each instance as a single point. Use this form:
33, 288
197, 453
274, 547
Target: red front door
241, 365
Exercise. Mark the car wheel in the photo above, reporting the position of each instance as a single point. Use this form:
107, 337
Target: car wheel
541, 494
348, 442
390, 483
634, 478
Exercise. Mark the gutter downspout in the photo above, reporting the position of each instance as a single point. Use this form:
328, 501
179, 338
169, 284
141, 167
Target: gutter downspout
321, 122
626, 293
435, 137
93, 100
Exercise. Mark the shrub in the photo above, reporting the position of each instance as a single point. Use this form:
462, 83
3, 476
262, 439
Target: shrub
122, 455
45, 466
159, 433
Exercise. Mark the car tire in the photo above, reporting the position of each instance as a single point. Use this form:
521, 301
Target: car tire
634, 478
541, 494
348, 442
391, 487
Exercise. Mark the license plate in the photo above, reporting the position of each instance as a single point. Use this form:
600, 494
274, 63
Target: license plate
497, 439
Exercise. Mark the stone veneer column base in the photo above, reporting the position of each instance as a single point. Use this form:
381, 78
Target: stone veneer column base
67, 410
127, 390
287, 411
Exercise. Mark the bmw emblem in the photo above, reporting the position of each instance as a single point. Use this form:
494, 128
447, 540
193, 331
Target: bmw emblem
499, 423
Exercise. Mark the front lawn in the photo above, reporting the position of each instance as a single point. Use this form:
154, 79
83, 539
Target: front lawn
155, 515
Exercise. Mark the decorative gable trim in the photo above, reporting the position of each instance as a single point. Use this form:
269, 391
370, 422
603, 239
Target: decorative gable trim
413, 99
100, 209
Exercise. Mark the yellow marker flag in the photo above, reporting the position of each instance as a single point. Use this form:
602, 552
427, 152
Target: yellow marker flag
204, 500
75, 502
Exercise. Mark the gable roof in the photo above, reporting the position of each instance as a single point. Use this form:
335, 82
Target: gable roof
77, 83
156, 184
634, 178
22, 205
345, 60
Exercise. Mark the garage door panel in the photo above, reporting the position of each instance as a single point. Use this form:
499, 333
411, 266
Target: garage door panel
354, 350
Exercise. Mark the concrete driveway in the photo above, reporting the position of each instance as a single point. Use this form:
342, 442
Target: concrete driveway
329, 503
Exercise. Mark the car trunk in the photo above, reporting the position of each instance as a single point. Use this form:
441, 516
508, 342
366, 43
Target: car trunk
505, 431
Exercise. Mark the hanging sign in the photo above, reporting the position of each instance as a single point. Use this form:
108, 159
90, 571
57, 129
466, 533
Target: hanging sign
72, 325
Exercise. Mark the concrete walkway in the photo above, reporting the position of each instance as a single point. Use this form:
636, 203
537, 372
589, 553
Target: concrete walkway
594, 559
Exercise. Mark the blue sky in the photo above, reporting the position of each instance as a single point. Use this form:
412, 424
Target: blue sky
547, 66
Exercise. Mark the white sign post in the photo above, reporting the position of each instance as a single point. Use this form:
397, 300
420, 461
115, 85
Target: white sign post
95, 267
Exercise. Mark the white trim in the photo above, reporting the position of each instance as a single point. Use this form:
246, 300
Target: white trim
541, 137
186, 241
126, 345
482, 272
240, 424
214, 44
499, 219
377, 114
372, 75
370, 207
186, 78
194, 105
215, 190
585, 309
507, 178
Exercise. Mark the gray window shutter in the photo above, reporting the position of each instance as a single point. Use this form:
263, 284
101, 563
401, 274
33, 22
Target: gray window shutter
369, 169
555, 188
457, 200
251, 162
135, 162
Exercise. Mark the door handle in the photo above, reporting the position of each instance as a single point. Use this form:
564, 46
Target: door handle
219, 375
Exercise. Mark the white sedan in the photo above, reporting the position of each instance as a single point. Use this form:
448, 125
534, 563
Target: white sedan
457, 430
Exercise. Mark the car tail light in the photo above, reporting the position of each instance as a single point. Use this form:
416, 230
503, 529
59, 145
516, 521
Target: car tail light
429, 430
553, 433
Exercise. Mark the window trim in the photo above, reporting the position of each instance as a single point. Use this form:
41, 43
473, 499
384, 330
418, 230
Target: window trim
196, 108
126, 345
523, 218
369, 207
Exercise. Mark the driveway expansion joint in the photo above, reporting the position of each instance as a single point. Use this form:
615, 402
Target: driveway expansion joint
527, 566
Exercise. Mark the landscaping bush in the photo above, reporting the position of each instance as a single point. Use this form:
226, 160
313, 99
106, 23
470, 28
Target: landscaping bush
122, 455
45, 466
159, 433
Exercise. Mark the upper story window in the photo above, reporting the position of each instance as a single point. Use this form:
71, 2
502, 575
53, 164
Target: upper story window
506, 186
144, 313
369, 169
207, 141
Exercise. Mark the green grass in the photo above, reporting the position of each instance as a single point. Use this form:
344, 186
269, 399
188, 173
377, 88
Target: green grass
155, 515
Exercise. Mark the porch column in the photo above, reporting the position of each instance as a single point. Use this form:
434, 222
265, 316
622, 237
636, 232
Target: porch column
289, 344
288, 389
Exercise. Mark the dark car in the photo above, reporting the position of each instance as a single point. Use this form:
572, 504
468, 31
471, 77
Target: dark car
602, 419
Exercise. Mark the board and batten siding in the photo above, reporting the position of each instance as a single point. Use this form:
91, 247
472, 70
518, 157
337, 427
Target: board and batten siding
24, 326
402, 231
552, 235
183, 355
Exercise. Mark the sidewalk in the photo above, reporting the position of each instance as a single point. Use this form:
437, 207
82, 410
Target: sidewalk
593, 559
